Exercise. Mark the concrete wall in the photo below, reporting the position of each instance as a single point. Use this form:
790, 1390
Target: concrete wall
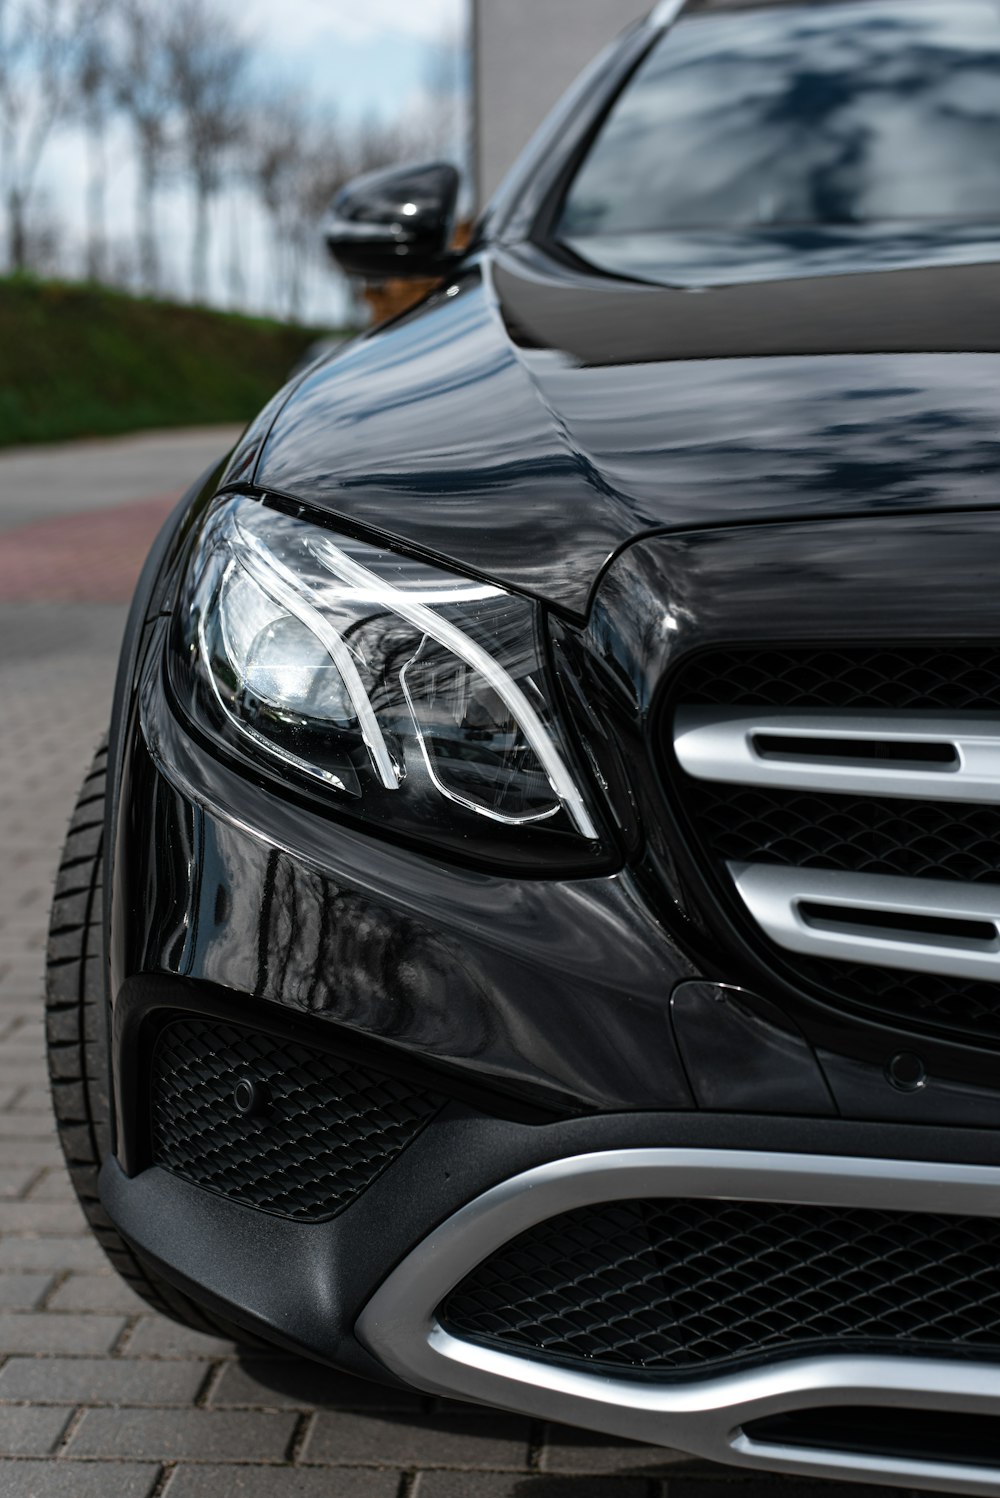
526, 54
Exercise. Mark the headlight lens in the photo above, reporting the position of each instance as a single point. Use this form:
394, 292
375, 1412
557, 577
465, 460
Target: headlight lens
413, 696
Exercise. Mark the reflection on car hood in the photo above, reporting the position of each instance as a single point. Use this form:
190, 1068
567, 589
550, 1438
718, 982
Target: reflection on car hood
530, 421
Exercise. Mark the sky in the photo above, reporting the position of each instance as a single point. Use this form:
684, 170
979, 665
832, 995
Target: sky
353, 59
361, 55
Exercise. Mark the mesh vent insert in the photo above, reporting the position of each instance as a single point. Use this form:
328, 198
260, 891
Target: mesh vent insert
328, 1129
960, 678
661, 1287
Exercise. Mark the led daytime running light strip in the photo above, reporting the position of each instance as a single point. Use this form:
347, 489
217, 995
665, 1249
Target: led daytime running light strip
369, 586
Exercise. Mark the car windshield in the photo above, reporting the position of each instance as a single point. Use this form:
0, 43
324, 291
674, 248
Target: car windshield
842, 114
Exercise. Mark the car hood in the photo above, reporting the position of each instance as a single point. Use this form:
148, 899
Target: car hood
529, 421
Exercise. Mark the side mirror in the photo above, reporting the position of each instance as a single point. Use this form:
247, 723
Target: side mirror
395, 223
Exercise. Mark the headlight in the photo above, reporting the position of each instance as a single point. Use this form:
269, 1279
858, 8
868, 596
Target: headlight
413, 698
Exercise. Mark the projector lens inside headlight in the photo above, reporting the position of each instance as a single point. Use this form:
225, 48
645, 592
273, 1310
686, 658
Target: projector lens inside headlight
414, 695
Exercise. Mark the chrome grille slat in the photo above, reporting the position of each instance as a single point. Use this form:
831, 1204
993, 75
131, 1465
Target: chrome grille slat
779, 900
717, 745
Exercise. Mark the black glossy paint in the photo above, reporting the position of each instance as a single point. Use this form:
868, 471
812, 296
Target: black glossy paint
552, 991
741, 1052
895, 578
395, 222
535, 401
808, 451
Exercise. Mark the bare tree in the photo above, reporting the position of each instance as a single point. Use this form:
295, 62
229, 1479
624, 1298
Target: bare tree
144, 89
302, 161
208, 64
376, 143
40, 41
274, 153
95, 93
437, 125
327, 160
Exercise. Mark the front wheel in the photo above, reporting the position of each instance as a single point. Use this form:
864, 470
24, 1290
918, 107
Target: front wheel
77, 1044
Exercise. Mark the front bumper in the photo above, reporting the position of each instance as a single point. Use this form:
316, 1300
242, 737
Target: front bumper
363, 1291
542, 1011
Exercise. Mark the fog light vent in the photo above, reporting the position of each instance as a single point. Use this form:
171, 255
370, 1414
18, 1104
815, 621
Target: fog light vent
278, 1126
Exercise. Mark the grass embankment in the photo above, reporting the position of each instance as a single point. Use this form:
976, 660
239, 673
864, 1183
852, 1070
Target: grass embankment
82, 361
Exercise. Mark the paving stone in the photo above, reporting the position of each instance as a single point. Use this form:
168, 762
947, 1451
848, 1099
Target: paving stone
49, 1253
96, 1292
45, 1218
176, 1435
15, 1180
22, 1046
22, 1292
78, 1479
52, 1185
482, 1439
568, 1450
25, 1071
80, 1380
27, 1126
291, 1383
498, 1485
33, 917
33, 1100
43, 1331
40, 1154
156, 1336
279, 1482
30, 1432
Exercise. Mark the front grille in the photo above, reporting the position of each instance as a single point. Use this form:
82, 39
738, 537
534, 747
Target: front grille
908, 837
326, 1127
661, 1287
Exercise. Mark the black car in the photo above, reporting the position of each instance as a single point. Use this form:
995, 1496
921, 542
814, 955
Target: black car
533, 934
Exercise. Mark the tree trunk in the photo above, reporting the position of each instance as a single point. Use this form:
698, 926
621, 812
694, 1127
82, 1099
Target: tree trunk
296, 267
237, 283
279, 262
149, 262
96, 182
17, 230
200, 245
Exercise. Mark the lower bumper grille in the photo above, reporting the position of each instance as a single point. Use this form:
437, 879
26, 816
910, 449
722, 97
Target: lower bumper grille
314, 1133
663, 1287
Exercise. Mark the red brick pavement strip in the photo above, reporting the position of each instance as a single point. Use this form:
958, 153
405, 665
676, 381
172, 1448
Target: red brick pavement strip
94, 557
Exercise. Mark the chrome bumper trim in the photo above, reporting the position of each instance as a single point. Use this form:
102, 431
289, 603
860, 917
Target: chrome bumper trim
702, 1416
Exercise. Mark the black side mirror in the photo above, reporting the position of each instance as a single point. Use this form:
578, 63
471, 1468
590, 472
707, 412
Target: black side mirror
395, 223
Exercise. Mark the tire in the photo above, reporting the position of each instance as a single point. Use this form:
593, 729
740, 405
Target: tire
76, 1042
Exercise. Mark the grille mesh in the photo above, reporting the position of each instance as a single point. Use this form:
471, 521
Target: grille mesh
860, 834
962, 679
329, 1129
661, 1287
921, 839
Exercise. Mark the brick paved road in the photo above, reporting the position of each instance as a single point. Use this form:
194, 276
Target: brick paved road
100, 1398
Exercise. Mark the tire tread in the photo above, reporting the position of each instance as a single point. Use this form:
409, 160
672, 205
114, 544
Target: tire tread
77, 1050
